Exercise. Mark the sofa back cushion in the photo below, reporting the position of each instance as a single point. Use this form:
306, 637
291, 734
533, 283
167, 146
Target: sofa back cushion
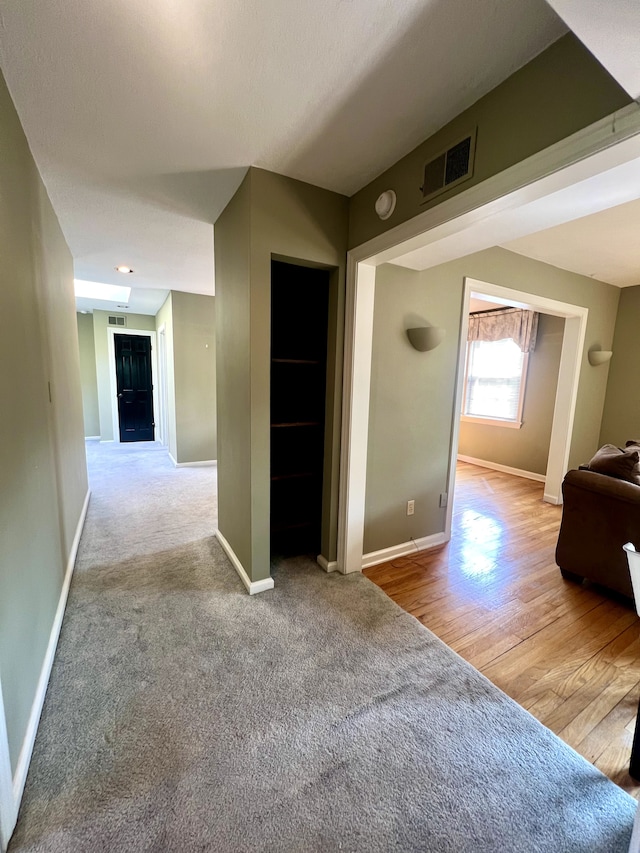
616, 462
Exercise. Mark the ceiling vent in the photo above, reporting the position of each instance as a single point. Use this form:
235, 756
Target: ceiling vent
117, 320
450, 167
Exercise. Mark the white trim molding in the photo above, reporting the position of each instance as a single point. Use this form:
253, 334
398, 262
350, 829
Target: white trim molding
506, 469
327, 565
253, 587
413, 546
92, 438
8, 811
203, 463
24, 759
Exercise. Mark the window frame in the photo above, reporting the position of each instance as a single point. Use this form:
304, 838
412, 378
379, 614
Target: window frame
487, 420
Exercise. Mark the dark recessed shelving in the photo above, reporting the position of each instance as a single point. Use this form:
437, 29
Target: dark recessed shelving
299, 312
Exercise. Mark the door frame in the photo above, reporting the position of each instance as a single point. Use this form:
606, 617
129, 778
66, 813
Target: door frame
613, 141
575, 329
113, 382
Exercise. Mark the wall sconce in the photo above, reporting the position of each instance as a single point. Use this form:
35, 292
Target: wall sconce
598, 356
425, 338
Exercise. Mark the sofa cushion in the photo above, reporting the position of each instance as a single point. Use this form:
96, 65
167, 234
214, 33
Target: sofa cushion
615, 462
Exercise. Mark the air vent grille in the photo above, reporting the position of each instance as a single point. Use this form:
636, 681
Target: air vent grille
450, 167
117, 320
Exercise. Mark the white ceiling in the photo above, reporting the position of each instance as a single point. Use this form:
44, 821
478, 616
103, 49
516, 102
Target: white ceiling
610, 29
143, 117
605, 246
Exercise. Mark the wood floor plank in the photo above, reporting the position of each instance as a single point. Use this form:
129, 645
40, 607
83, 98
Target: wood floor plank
568, 653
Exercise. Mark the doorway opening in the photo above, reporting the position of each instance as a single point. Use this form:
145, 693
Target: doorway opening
557, 185
133, 356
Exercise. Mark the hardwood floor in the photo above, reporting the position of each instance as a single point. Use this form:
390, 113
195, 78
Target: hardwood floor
570, 654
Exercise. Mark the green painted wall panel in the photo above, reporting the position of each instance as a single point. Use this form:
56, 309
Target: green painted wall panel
88, 378
561, 91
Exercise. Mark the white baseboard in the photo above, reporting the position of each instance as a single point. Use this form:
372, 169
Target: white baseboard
327, 565
92, 438
107, 441
8, 810
556, 500
205, 463
22, 767
506, 469
403, 549
253, 587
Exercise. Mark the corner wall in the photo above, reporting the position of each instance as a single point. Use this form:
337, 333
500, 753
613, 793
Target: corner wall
269, 217
88, 378
621, 419
194, 356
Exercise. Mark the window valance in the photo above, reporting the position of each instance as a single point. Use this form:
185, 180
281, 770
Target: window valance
515, 323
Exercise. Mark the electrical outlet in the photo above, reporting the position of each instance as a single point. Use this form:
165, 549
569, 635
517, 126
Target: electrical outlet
444, 497
411, 507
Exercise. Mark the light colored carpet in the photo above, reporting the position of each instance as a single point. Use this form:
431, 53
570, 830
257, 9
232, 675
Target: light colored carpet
184, 715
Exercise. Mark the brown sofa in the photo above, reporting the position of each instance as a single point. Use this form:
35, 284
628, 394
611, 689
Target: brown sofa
599, 515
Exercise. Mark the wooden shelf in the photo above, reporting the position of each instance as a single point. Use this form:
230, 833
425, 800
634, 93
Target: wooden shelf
295, 476
280, 528
295, 361
297, 424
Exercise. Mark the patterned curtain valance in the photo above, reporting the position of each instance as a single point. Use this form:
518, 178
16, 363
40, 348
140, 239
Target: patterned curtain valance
514, 323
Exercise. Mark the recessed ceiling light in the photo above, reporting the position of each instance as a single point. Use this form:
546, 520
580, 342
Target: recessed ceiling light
124, 269
104, 292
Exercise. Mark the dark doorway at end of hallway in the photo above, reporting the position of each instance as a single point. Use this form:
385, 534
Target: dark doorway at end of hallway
134, 387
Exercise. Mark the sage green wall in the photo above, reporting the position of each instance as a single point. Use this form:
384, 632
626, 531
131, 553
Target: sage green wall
195, 376
621, 419
526, 448
143, 322
294, 221
270, 216
44, 480
165, 317
412, 394
88, 378
232, 235
556, 94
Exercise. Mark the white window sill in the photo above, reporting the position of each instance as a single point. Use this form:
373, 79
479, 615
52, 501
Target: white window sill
500, 422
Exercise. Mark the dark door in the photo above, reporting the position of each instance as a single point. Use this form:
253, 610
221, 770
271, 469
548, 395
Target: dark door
135, 397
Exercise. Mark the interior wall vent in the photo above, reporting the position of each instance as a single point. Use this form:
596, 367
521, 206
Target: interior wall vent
450, 167
117, 320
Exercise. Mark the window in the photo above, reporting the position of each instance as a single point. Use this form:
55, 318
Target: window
494, 382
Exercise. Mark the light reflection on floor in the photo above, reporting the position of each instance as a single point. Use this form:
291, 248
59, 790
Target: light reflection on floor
481, 537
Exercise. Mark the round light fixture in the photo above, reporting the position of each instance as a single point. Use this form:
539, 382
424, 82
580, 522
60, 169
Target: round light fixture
125, 270
386, 204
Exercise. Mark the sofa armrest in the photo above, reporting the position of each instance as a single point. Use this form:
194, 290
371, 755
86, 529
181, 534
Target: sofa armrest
600, 514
